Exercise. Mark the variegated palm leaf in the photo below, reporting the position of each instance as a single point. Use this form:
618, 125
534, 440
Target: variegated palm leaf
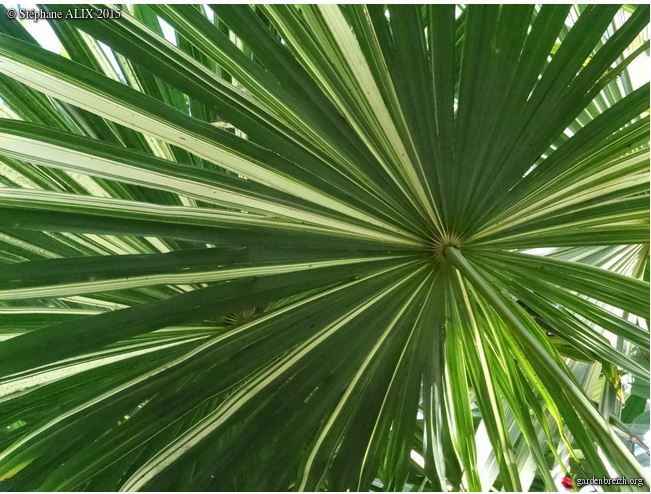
307, 247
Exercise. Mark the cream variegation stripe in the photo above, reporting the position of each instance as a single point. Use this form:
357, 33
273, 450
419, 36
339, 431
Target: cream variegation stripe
61, 201
69, 369
38, 199
47, 310
27, 246
93, 286
596, 227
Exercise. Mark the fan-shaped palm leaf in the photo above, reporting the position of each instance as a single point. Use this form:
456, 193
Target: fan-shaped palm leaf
290, 247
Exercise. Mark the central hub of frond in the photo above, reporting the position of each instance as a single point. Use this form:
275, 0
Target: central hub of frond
438, 244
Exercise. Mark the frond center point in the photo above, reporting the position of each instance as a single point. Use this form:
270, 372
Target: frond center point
437, 245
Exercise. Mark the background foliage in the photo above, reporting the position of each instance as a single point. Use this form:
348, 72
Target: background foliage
324, 247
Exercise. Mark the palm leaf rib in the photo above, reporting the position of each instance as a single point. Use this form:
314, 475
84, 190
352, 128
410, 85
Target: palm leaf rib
324, 247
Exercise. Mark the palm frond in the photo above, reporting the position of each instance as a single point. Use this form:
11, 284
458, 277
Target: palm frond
322, 247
